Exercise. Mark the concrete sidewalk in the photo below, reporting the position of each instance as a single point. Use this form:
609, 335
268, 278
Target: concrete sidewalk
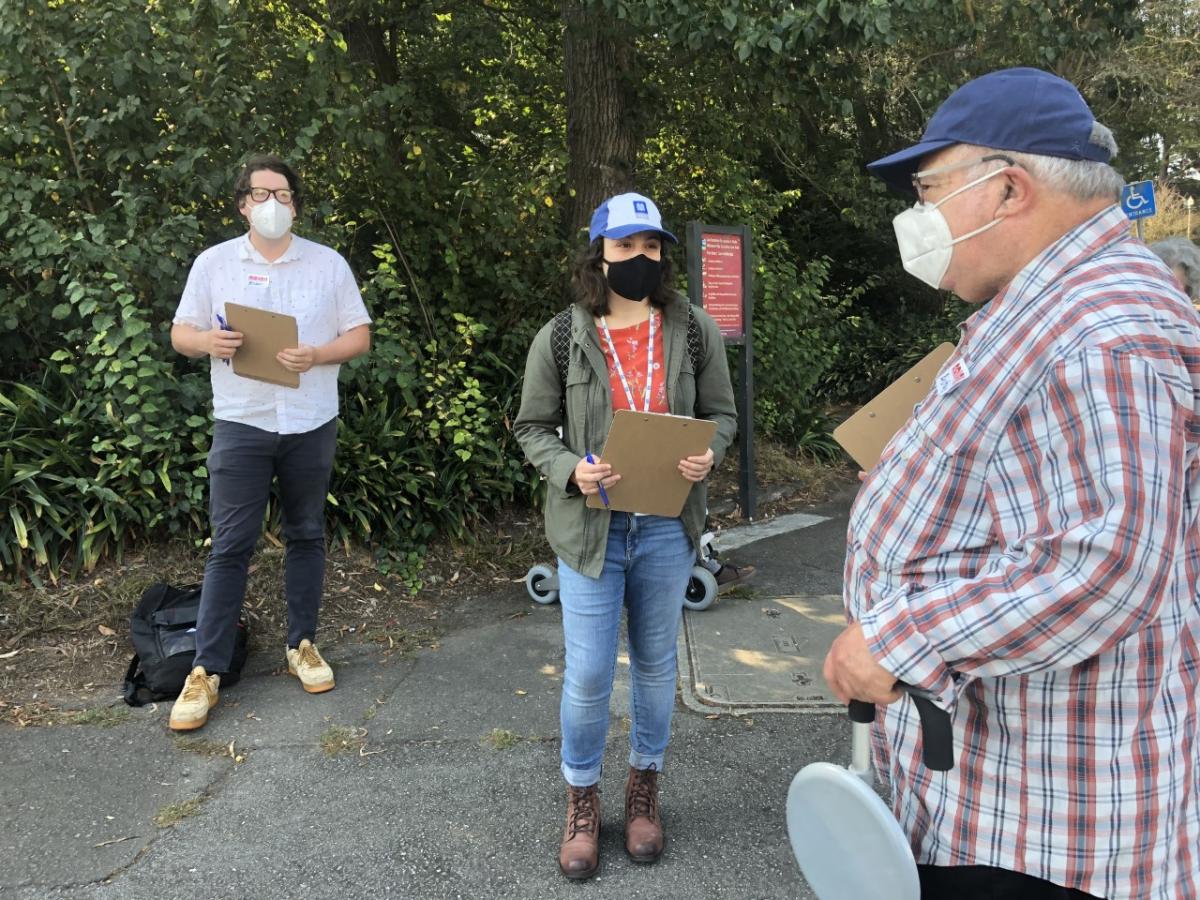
447, 782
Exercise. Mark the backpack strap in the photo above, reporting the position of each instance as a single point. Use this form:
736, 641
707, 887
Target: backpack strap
695, 340
134, 690
560, 344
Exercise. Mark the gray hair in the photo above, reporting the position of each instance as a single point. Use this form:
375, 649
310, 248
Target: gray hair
1179, 251
1081, 179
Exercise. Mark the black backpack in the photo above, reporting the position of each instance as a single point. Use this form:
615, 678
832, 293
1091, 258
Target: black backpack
163, 630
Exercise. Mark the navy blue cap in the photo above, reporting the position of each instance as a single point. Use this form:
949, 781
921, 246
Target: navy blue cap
1023, 110
627, 214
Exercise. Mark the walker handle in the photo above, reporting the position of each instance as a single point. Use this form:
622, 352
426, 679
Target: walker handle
937, 740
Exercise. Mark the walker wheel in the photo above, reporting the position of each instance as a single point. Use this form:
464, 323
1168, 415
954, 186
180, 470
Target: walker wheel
541, 581
701, 589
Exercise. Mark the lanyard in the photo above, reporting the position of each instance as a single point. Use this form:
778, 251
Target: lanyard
621, 371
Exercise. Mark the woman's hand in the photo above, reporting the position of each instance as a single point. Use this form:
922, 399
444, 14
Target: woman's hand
696, 468
589, 476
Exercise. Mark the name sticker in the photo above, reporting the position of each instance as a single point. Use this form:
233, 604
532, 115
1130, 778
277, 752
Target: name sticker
256, 280
952, 377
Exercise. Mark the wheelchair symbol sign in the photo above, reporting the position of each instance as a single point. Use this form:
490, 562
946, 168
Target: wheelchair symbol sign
1138, 199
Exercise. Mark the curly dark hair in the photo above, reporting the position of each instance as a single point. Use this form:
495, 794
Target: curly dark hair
271, 163
590, 287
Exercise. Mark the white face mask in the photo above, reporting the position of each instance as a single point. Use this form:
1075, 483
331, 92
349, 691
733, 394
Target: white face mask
272, 219
926, 245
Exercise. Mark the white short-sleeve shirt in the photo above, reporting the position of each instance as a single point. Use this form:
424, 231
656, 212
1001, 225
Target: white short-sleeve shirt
311, 282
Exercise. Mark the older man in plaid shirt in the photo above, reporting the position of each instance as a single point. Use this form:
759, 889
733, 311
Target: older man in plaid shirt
1027, 547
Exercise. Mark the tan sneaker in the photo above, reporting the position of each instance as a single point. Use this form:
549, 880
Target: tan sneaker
305, 663
198, 696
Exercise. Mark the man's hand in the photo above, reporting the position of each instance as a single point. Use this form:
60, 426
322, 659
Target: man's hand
298, 359
696, 468
853, 673
222, 344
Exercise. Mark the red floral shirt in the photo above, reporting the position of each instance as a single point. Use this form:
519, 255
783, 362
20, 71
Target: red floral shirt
631, 350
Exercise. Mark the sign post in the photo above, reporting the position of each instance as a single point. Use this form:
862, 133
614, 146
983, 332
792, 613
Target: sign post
720, 279
1138, 202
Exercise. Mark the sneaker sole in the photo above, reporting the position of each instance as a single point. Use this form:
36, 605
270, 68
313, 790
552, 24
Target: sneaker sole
312, 688
190, 726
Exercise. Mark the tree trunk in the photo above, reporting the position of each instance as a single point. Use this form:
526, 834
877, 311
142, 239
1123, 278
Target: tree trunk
601, 143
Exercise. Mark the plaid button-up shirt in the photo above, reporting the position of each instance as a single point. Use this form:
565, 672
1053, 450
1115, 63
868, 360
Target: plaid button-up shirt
1027, 548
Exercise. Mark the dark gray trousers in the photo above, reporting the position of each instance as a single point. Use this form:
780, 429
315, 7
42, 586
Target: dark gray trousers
242, 463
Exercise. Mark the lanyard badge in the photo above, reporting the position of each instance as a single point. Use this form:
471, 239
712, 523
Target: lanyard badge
621, 371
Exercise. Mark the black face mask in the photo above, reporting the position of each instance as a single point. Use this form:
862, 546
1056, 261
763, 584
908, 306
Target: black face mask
636, 278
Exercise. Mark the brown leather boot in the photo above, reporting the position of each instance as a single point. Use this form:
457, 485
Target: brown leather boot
579, 854
643, 828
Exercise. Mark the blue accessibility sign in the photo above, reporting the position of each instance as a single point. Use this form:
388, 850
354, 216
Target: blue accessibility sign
1138, 199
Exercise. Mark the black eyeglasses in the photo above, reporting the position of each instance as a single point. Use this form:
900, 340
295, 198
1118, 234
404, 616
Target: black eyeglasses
260, 194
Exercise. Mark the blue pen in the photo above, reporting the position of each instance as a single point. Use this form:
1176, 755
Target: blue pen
224, 327
603, 495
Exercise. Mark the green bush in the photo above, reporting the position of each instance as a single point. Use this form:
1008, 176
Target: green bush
422, 449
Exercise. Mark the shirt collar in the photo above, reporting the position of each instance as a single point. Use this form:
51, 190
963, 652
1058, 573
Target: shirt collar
247, 251
1078, 245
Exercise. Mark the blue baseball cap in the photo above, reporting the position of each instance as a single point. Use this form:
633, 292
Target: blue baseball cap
627, 214
1023, 110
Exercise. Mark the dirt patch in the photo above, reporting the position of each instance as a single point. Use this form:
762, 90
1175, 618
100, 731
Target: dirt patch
787, 481
66, 646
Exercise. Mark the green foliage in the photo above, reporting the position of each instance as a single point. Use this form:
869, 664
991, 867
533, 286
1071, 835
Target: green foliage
432, 144
421, 448
55, 508
121, 127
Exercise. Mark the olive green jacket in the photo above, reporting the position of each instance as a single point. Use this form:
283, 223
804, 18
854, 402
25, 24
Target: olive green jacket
577, 534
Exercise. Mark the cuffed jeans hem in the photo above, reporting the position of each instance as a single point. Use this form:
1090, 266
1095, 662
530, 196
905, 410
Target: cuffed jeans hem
581, 777
645, 761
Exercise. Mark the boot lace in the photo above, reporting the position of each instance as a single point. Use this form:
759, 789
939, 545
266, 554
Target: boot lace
643, 794
583, 810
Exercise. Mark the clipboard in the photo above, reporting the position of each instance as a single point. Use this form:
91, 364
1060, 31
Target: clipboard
264, 334
866, 433
645, 450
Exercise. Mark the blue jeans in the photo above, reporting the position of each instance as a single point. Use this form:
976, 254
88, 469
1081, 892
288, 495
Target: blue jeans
647, 564
242, 463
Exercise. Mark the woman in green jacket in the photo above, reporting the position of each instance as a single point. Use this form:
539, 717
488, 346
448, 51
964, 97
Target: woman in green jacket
631, 343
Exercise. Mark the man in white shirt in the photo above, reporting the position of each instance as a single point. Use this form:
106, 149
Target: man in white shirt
261, 431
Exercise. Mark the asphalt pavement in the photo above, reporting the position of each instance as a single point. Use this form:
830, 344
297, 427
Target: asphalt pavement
435, 774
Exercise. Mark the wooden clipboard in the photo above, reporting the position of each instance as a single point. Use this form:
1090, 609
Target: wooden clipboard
866, 433
264, 334
645, 450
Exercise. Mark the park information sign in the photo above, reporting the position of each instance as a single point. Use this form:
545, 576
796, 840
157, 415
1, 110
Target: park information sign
722, 289
720, 281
